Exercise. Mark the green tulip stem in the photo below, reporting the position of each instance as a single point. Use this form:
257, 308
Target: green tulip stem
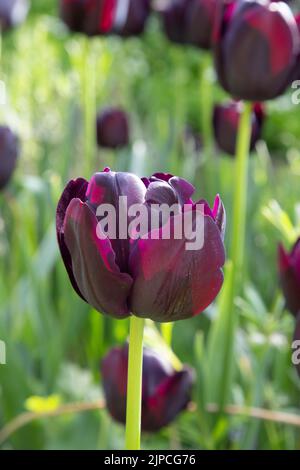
134, 384
240, 194
167, 332
89, 104
206, 104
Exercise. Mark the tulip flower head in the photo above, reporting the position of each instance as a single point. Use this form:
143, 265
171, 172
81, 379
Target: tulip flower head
112, 128
12, 13
226, 121
99, 17
189, 21
289, 272
165, 392
256, 44
9, 152
141, 246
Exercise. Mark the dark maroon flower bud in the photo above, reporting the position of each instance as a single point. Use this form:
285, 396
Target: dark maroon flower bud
289, 272
91, 17
12, 13
297, 346
296, 71
256, 44
113, 128
98, 17
150, 272
131, 17
9, 152
226, 121
190, 21
165, 392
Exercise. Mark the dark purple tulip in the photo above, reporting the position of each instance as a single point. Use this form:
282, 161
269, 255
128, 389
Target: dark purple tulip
289, 272
296, 72
150, 277
131, 20
190, 21
256, 44
98, 17
112, 128
91, 17
165, 392
297, 338
226, 120
9, 152
12, 13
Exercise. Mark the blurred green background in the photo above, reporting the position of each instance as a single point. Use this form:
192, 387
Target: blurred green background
55, 83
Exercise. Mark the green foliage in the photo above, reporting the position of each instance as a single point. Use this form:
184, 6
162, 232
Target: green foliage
54, 340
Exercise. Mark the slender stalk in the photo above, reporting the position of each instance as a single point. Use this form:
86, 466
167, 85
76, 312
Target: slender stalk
206, 104
89, 105
228, 321
167, 332
240, 194
134, 384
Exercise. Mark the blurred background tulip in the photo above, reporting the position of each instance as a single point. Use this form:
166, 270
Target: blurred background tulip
130, 17
9, 152
289, 272
189, 21
165, 391
113, 130
98, 17
226, 121
256, 44
91, 17
12, 13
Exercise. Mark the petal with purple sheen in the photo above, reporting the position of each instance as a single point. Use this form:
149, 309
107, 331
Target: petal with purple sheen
74, 189
165, 392
171, 396
295, 259
183, 188
114, 370
160, 192
172, 283
219, 215
161, 176
257, 51
93, 262
289, 272
106, 188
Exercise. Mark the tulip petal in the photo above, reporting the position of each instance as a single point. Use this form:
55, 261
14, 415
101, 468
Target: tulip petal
183, 188
93, 262
114, 369
74, 189
170, 282
171, 396
106, 188
219, 215
160, 192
